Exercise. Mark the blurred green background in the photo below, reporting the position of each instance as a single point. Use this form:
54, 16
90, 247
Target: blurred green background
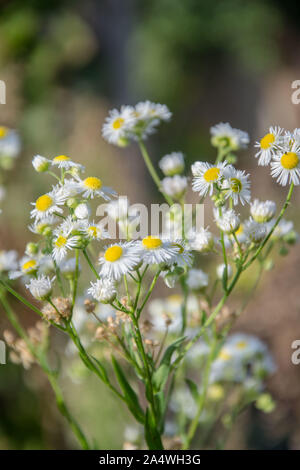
65, 64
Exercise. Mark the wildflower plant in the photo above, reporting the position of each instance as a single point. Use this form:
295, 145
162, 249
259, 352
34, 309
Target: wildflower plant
172, 361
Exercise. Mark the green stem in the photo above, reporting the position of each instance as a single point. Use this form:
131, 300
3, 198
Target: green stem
90, 263
139, 310
152, 171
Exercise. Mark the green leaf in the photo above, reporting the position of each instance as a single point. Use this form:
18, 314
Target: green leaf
152, 435
129, 394
193, 388
160, 376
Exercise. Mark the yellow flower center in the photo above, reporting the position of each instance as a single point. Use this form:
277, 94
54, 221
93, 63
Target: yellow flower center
61, 241
224, 355
113, 253
267, 141
118, 123
175, 298
61, 158
236, 185
211, 175
43, 203
151, 243
93, 231
240, 230
3, 132
241, 344
92, 183
31, 264
289, 160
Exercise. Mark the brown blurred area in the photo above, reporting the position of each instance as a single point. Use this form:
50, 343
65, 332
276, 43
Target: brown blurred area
65, 65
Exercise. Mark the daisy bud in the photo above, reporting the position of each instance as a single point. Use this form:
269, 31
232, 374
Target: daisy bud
174, 187
72, 202
227, 221
40, 288
103, 290
82, 211
40, 164
254, 231
221, 269
263, 211
31, 249
172, 164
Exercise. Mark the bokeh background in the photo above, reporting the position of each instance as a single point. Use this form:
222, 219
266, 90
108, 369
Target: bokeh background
65, 64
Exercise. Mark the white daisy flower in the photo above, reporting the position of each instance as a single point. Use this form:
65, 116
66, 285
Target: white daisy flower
40, 164
184, 256
65, 162
201, 241
205, 176
82, 211
147, 110
119, 259
118, 124
268, 145
94, 231
220, 271
10, 143
92, 187
154, 250
64, 240
48, 204
244, 346
8, 260
44, 226
285, 166
174, 186
103, 290
237, 185
262, 211
254, 231
228, 221
27, 266
285, 227
223, 135
40, 288
172, 164
197, 279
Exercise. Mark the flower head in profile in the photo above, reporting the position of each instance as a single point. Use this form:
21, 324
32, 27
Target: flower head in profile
10, 143
268, 145
285, 166
40, 163
155, 250
8, 260
118, 125
262, 211
65, 162
206, 176
174, 186
236, 185
227, 221
92, 186
254, 232
119, 259
103, 290
225, 136
28, 266
172, 164
40, 287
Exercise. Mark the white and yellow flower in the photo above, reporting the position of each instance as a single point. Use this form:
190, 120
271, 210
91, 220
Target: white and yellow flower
40, 287
49, 204
206, 176
10, 143
254, 232
268, 145
119, 259
64, 240
94, 231
285, 166
8, 261
40, 163
118, 124
201, 240
262, 211
225, 136
227, 220
65, 162
28, 266
92, 186
236, 185
155, 250
174, 186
